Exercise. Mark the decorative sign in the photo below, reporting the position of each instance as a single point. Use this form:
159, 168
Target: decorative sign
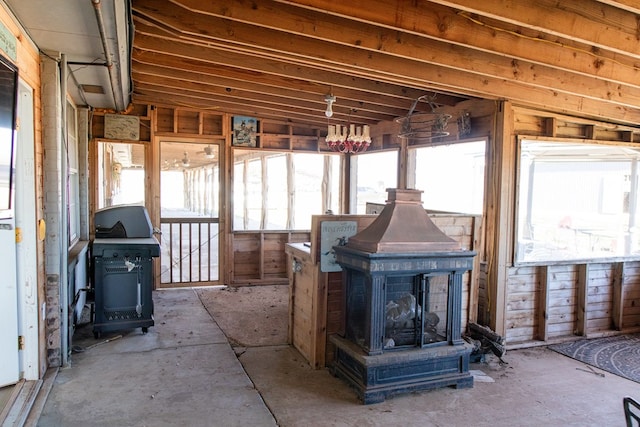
244, 131
334, 233
117, 126
8, 42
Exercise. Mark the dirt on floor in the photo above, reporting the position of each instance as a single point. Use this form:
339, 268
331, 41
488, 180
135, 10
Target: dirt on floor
250, 316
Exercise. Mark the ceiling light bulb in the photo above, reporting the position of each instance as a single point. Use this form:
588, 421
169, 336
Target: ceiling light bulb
329, 99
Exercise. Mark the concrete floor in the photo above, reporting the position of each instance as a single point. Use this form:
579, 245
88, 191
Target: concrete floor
185, 372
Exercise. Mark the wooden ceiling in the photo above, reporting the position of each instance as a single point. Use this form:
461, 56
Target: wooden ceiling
278, 59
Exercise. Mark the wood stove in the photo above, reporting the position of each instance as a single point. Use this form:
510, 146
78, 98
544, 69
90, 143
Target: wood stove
403, 304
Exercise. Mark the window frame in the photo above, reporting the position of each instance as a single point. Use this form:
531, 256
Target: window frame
354, 167
261, 155
516, 262
412, 154
73, 175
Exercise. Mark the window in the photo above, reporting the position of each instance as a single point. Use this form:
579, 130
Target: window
451, 176
374, 173
576, 201
73, 190
121, 174
281, 191
8, 83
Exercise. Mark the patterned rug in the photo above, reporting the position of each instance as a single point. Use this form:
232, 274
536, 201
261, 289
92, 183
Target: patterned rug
619, 355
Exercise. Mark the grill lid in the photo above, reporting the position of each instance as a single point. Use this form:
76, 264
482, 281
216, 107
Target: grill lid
403, 226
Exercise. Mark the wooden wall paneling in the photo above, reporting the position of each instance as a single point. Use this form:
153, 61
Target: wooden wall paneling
273, 255
259, 258
164, 120
627, 136
335, 312
590, 132
561, 310
522, 292
631, 298
617, 311
246, 255
483, 295
213, 124
600, 292
550, 126
466, 230
187, 122
554, 125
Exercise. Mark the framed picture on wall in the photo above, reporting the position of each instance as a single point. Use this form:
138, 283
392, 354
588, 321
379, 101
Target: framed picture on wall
245, 131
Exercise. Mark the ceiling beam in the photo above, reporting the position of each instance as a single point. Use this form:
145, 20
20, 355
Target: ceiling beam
301, 22
629, 5
483, 34
378, 66
165, 65
159, 95
586, 21
292, 104
311, 78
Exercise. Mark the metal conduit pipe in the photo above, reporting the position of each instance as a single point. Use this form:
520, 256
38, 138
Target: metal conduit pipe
113, 78
64, 215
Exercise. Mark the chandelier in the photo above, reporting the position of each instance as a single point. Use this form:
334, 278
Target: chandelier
348, 140
345, 139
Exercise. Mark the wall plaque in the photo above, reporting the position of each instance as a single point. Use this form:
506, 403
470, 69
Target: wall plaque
117, 126
334, 233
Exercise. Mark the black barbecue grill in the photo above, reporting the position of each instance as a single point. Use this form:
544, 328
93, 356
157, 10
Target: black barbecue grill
122, 269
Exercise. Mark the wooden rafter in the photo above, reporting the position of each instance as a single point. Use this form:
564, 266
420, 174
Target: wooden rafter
376, 56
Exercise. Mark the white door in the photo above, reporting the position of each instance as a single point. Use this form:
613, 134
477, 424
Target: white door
26, 247
9, 368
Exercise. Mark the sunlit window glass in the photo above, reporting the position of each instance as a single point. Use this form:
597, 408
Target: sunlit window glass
282, 191
576, 201
451, 177
374, 173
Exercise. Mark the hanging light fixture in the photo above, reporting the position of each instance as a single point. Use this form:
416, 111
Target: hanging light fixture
185, 160
329, 99
424, 126
346, 139
351, 139
208, 152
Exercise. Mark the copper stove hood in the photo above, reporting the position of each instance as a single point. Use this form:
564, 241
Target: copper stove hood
403, 226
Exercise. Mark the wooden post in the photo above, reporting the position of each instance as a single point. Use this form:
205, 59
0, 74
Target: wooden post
345, 203
474, 279
618, 296
291, 190
543, 303
582, 300
499, 190
403, 155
